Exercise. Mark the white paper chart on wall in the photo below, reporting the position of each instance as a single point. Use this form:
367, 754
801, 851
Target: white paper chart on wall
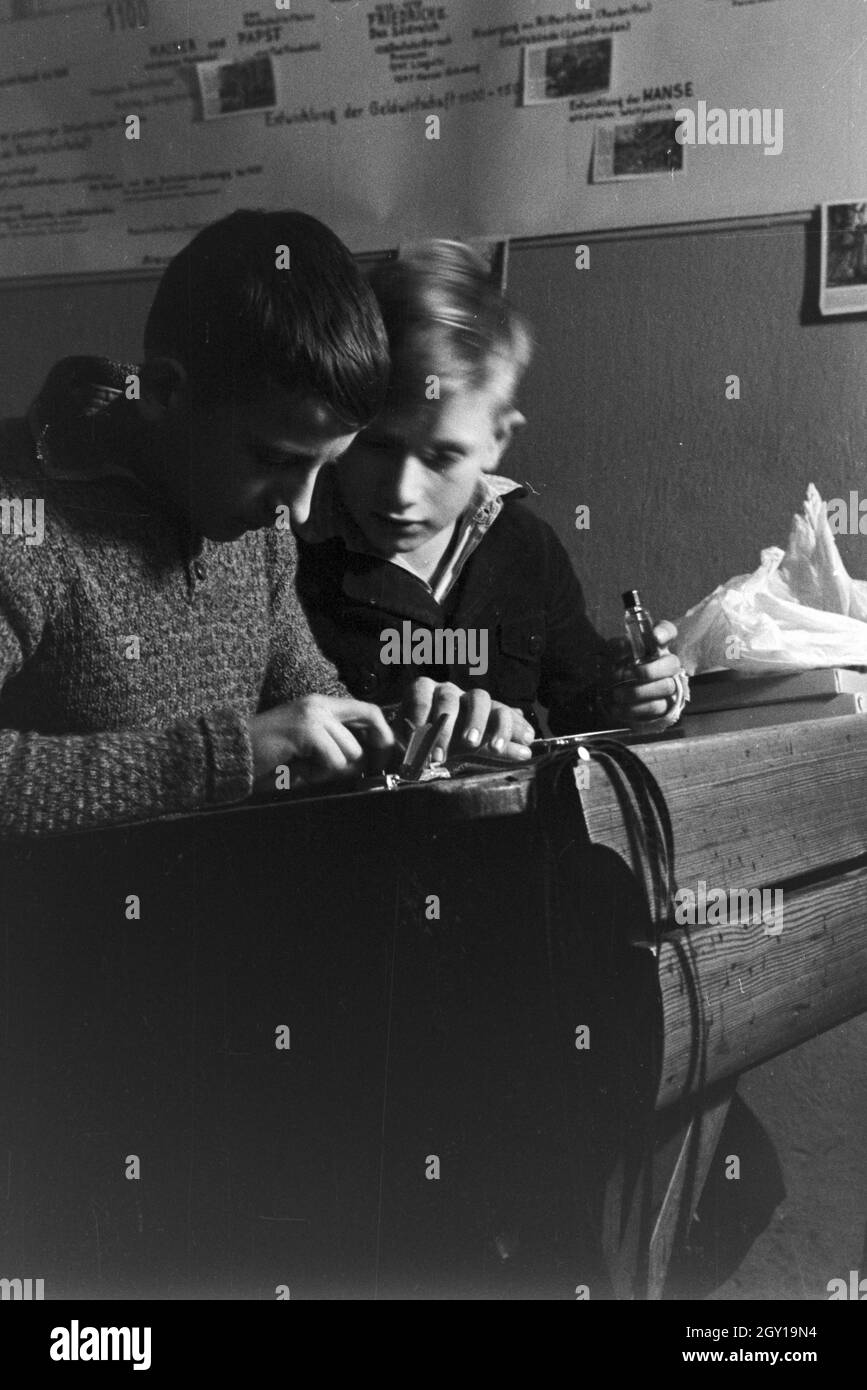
125, 125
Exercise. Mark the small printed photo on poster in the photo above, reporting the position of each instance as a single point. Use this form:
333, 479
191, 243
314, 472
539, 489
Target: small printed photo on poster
232, 89
553, 71
637, 150
844, 257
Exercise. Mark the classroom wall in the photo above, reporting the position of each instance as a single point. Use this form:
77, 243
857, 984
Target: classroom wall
625, 398
627, 408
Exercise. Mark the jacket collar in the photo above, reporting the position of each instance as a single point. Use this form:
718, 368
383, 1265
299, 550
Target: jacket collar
374, 583
330, 519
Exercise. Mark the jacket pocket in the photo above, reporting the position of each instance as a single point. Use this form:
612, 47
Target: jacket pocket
520, 647
523, 638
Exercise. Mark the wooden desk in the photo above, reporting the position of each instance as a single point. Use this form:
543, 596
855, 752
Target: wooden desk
412, 1037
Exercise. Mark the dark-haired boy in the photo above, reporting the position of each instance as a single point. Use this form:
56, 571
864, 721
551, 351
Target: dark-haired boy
153, 655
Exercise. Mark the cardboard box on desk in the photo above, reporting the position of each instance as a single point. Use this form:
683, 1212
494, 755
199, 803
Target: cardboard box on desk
721, 702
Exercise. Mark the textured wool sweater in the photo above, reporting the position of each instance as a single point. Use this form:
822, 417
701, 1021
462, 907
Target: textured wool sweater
132, 653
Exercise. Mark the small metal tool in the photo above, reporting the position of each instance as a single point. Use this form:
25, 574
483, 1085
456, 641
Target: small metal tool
550, 745
421, 743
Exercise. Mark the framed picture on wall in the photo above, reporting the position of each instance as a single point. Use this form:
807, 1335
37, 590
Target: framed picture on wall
494, 251
843, 285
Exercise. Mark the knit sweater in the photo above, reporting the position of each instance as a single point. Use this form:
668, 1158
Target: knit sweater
132, 653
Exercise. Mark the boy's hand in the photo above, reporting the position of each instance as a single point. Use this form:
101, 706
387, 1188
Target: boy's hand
475, 720
651, 691
314, 737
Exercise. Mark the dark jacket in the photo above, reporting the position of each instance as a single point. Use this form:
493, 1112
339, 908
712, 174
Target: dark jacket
518, 583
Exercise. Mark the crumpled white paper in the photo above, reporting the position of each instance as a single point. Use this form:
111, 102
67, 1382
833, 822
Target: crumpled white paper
798, 610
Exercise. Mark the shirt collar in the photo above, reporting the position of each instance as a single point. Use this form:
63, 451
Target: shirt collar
472, 528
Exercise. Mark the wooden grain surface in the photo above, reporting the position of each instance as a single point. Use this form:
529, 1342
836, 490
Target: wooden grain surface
752, 809
733, 996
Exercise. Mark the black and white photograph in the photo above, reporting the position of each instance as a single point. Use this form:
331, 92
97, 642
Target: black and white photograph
637, 150
231, 89
555, 71
433, 674
844, 257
